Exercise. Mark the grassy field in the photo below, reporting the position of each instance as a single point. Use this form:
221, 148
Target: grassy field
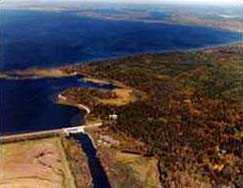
130, 170
40, 163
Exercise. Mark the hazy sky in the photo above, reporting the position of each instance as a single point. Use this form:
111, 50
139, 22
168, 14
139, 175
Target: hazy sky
213, 2
182, 1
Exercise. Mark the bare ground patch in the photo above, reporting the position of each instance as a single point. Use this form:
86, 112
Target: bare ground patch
37, 162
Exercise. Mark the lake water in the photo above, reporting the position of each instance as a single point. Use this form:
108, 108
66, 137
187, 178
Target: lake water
35, 38
28, 105
47, 39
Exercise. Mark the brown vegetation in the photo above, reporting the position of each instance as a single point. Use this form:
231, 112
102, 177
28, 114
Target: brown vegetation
192, 116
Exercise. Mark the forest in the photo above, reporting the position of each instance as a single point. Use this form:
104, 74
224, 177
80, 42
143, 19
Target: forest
191, 117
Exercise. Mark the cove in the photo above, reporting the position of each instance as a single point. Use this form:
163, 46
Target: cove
28, 105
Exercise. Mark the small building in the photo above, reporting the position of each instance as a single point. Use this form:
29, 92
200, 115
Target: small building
74, 130
113, 117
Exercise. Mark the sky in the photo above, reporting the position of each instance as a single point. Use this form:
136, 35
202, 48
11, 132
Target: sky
209, 2
219, 2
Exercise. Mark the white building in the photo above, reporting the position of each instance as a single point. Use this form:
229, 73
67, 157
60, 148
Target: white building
113, 117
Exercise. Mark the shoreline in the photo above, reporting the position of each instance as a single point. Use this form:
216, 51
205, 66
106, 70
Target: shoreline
62, 100
62, 72
59, 71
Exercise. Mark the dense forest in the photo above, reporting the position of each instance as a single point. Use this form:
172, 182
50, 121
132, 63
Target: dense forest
191, 117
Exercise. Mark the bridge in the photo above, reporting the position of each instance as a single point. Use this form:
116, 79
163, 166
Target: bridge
47, 133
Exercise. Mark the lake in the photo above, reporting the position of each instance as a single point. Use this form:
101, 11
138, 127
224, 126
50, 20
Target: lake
47, 39
29, 105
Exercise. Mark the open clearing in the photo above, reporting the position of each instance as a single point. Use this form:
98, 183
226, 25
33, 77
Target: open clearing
123, 96
130, 170
37, 162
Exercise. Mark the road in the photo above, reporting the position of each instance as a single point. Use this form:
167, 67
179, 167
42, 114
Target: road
47, 133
